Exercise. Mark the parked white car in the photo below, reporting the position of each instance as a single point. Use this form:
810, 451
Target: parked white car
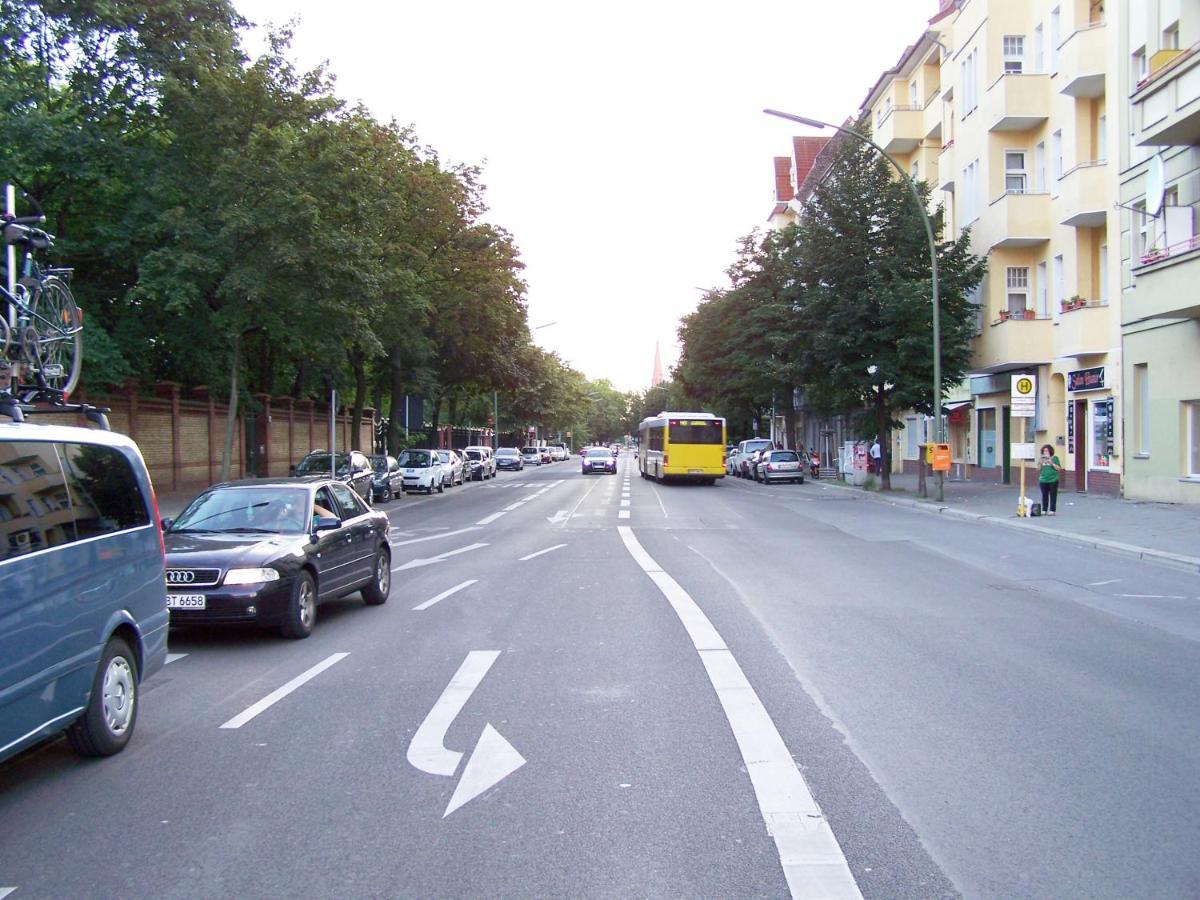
422, 471
452, 467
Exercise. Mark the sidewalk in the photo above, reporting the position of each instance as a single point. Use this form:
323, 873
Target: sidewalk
1166, 533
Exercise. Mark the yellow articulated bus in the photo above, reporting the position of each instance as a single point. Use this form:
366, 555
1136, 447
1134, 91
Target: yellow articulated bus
687, 446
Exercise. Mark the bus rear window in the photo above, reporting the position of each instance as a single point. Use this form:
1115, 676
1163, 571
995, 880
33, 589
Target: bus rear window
685, 431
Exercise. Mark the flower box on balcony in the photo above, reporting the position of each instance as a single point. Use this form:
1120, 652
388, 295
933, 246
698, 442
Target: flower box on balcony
1074, 303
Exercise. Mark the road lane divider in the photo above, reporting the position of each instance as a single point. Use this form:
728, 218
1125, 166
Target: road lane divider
812, 859
488, 520
441, 557
279, 693
444, 594
540, 552
435, 537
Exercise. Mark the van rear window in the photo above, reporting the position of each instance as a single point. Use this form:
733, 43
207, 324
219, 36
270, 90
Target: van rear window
104, 490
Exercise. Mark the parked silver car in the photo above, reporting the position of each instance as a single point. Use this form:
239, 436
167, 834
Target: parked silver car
452, 467
779, 465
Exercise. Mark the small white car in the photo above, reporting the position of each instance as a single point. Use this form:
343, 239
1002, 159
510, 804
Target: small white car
422, 471
452, 467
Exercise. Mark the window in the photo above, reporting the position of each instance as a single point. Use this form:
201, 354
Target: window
1141, 412
916, 170
1014, 54
1014, 172
104, 490
1141, 240
1102, 433
686, 431
1055, 38
1170, 37
912, 93
1039, 49
970, 81
1138, 71
351, 505
1102, 276
1059, 283
912, 438
1017, 282
972, 184
1039, 168
1102, 138
1056, 159
1193, 438
1043, 291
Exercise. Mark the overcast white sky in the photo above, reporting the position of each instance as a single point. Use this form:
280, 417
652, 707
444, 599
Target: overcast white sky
623, 143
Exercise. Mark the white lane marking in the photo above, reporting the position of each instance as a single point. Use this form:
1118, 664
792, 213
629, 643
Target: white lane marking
492, 760
427, 751
441, 557
1153, 596
279, 693
513, 506
5, 891
812, 859
540, 552
658, 497
623, 514
435, 537
561, 516
488, 520
171, 657
575, 509
444, 594
624, 501
1102, 583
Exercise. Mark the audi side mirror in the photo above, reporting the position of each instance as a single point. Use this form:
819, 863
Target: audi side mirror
166, 524
327, 523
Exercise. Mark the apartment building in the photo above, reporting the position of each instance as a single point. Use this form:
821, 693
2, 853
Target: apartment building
1159, 65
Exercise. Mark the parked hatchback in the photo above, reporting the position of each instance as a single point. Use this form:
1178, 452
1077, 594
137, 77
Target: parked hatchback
83, 605
779, 465
532, 456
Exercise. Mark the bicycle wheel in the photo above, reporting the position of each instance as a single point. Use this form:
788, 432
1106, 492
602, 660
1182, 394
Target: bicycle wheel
56, 321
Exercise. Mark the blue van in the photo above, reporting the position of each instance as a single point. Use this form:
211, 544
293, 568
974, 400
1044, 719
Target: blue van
83, 598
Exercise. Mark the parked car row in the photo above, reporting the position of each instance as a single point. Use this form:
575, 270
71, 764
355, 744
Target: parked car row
544, 454
760, 460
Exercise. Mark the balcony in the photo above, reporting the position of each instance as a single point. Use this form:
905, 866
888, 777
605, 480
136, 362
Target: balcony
1017, 220
946, 166
1013, 343
932, 117
900, 130
1085, 328
1083, 195
1166, 104
1017, 102
1166, 285
1081, 62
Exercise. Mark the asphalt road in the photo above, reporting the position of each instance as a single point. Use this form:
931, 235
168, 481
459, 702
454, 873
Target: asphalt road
581, 690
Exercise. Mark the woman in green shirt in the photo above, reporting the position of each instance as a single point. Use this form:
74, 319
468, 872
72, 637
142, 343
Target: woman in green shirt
1048, 480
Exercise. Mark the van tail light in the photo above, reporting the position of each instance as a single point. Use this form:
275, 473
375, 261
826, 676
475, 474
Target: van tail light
162, 543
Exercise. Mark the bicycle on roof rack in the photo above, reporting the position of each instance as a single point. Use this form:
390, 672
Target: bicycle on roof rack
41, 330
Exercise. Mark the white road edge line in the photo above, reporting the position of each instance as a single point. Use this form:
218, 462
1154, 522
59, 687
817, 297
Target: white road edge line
812, 859
444, 594
279, 693
658, 497
540, 552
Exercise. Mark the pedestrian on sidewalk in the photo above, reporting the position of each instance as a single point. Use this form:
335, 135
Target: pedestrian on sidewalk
875, 464
1048, 475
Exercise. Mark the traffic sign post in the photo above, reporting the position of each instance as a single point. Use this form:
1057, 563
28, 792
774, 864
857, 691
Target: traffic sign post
1023, 406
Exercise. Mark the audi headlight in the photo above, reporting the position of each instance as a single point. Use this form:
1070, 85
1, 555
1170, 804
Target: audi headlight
250, 576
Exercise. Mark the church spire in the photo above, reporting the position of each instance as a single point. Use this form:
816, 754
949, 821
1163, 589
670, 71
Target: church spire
657, 378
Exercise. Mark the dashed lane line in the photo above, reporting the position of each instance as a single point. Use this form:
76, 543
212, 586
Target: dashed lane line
435, 537
540, 552
812, 859
623, 514
279, 693
444, 594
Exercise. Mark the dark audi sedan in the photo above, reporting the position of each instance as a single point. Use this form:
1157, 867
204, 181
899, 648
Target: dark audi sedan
266, 552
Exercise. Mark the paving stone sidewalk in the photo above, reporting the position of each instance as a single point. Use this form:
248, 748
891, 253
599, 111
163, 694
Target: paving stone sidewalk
1167, 533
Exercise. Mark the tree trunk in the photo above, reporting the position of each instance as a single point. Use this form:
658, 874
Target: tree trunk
435, 421
231, 415
790, 440
885, 442
395, 435
298, 381
452, 412
359, 366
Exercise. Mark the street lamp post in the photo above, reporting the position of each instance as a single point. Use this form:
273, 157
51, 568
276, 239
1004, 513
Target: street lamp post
933, 263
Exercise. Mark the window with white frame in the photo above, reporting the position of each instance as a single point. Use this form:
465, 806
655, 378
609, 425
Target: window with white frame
1055, 37
972, 184
970, 81
1102, 138
1170, 37
1014, 54
1015, 178
1043, 291
1056, 159
1139, 235
1017, 282
1141, 410
1039, 167
912, 93
1193, 439
1039, 49
1138, 70
1060, 282
1102, 293
912, 438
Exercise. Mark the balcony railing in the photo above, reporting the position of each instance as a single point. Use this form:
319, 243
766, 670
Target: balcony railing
1158, 254
1163, 62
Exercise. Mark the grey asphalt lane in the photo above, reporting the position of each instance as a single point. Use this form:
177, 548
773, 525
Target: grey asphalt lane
1038, 730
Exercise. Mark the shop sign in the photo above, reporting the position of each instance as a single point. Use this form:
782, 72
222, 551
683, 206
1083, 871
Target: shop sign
1109, 428
1086, 379
1071, 427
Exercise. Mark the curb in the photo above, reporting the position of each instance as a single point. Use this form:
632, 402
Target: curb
1149, 554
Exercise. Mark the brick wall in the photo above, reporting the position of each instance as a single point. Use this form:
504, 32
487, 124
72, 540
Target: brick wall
182, 439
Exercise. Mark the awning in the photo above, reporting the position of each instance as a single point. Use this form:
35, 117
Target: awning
958, 404
956, 412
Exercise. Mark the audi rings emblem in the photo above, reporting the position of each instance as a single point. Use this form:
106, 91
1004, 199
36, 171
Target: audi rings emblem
180, 576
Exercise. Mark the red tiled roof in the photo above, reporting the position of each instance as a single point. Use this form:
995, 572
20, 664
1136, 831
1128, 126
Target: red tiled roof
783, 179
805, 149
